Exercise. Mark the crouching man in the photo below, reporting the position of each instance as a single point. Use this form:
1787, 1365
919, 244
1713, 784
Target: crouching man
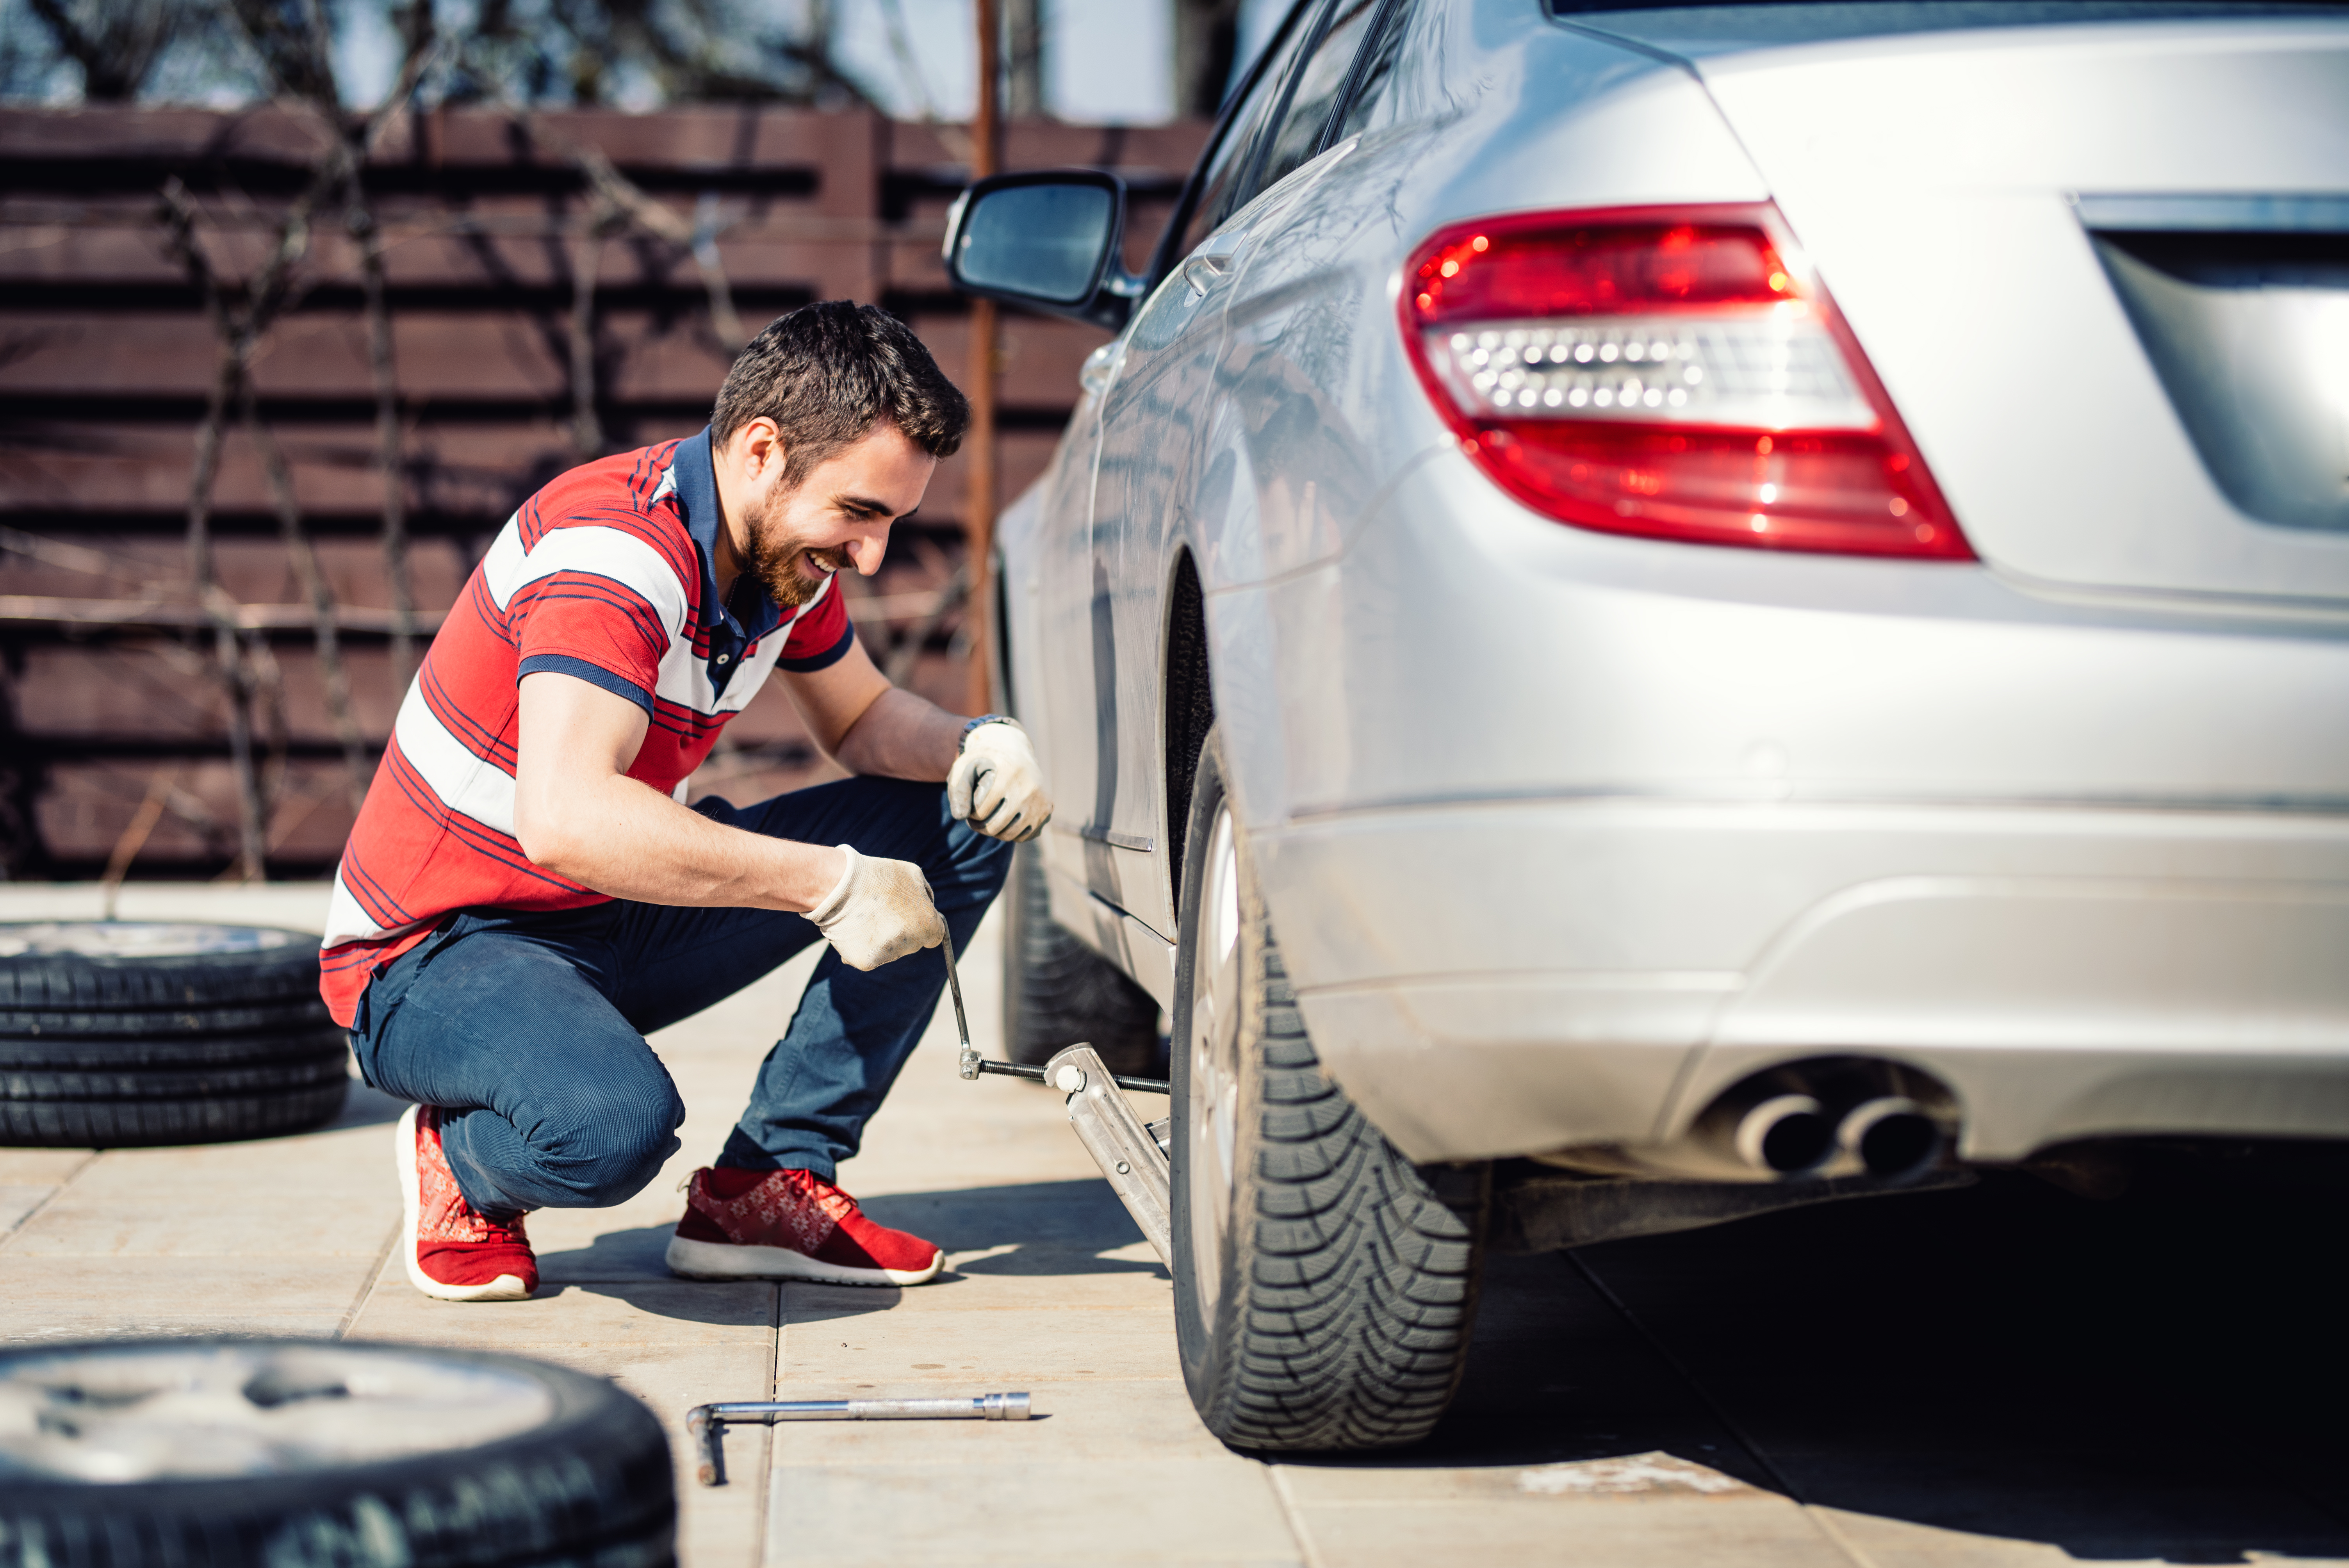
524, 897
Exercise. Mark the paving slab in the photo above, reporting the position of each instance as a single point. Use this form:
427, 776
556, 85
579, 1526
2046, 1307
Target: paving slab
49, 1299
1999, 1379
1083, 1511
18, 1201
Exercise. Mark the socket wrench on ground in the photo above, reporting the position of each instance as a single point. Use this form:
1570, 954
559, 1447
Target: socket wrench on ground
706, 1424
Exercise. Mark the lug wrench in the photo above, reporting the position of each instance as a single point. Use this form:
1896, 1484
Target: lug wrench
706, 1424
970, 1064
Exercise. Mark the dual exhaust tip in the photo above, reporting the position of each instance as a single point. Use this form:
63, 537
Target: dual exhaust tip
1824, 1117
1886, 1136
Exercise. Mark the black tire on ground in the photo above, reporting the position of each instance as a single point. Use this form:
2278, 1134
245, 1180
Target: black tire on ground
145, 1123
335, 1454
1325, 1286
181, 1053
1058, 991
79, 965
120, 1033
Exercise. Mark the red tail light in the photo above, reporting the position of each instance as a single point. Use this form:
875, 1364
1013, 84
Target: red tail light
1671, 372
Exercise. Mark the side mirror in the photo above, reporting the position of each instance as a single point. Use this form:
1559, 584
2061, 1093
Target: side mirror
1050, 241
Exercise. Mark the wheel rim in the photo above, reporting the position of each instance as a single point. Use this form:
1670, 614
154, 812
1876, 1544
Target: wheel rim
1213, 1091
136, 939
148, 1413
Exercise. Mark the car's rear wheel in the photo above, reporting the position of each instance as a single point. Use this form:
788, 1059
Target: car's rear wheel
1324, 1285
1057, 991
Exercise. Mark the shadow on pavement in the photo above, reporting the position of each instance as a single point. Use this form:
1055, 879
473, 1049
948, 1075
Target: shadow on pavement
1034, 1228
1039, 1229
365, 1107
2161, 1378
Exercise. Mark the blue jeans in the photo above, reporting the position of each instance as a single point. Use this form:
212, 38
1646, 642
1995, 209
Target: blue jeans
528, 1029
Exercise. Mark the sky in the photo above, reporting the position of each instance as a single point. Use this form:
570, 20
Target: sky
1106, 62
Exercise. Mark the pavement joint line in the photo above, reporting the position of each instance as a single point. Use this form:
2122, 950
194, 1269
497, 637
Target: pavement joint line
1295, 1516
1835, 1533
36, 1210
770, 1450
1680, 1370
374, 1278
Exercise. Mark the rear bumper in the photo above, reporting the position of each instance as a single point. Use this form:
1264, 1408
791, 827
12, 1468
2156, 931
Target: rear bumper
1518, 976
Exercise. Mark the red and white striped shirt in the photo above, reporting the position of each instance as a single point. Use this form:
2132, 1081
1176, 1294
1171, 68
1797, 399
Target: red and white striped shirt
604, 575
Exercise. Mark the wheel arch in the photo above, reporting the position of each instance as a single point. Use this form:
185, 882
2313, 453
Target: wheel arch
1187, 705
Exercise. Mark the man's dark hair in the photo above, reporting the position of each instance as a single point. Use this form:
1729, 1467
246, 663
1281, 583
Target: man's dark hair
827, 372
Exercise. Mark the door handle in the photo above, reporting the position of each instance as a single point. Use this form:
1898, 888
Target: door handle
1101, 364
1212, 261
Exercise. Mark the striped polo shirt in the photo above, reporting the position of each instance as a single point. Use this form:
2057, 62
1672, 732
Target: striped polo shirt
606, 575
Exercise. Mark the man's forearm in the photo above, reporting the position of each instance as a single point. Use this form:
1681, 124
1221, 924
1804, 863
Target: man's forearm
623, 838
902, 735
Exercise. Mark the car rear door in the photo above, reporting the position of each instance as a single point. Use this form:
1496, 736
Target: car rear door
1157, 392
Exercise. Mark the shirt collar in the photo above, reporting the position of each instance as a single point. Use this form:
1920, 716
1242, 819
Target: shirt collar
693, 476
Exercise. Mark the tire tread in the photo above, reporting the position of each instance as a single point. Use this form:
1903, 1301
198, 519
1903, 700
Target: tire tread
1361, 1270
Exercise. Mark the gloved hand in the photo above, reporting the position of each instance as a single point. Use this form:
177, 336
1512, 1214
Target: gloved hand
996, 785
878, 911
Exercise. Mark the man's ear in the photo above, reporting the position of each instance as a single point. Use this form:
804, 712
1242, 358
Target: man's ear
762, 449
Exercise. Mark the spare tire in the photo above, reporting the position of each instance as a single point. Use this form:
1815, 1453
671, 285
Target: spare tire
224, 1453
121, 1033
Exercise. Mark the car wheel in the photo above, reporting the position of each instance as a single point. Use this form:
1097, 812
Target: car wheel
1324, 1285
221, 1454
115, 1034
1057, 991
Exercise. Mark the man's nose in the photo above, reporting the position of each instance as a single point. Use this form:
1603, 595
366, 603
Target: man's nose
866, 553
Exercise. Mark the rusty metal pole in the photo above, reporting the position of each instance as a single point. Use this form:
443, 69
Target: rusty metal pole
978, 506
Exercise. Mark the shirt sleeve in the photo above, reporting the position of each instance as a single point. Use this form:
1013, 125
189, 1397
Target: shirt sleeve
604, 621
820, 637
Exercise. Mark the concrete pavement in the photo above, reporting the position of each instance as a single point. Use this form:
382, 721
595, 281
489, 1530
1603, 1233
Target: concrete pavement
1991, 1378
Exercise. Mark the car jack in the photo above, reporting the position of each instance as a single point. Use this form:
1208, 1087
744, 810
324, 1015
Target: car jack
1131, 1154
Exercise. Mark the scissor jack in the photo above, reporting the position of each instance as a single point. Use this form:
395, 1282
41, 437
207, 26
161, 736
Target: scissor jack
1131, 1154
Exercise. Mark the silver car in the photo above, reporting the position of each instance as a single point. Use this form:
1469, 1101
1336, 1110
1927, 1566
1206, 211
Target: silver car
1660, 613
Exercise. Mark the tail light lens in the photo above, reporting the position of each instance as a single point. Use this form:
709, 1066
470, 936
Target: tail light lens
1670, 373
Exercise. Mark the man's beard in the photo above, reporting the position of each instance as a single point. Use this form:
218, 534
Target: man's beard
791, 573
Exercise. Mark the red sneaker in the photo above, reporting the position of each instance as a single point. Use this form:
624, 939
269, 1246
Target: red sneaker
454, 1251
790, 1224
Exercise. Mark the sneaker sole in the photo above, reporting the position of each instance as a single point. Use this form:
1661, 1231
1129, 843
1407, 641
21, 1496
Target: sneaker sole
689, 1259
506, 1287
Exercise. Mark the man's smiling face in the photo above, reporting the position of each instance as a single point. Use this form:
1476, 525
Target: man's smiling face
837, 519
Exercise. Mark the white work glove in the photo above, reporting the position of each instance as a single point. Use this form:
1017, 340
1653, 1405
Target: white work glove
878, 911
996, 785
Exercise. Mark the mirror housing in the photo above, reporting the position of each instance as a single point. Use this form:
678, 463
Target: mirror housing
1052, 241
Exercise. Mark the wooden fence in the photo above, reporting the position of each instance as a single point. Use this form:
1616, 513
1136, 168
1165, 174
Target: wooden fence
551, 287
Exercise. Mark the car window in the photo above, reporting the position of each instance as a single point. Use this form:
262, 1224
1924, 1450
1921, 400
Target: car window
1221, 185
1374, 74
1315, 93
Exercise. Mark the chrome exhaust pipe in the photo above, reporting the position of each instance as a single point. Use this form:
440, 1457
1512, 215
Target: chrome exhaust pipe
1831, 1117
1890, 1136
1784, 1135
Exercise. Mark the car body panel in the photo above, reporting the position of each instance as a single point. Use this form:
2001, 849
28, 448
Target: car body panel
1934, 190
1563, 832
